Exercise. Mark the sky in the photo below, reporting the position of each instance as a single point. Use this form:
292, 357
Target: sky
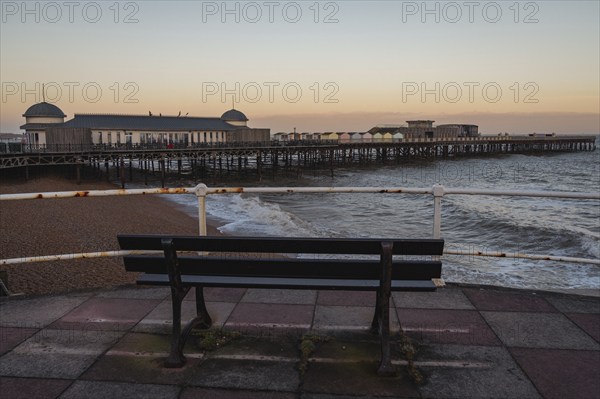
507, 66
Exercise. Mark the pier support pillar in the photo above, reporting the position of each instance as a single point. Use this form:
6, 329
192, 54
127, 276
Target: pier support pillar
131, 169
162, 172
78, 171
122, 173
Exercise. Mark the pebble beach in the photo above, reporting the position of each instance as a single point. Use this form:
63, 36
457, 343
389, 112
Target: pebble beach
72, 225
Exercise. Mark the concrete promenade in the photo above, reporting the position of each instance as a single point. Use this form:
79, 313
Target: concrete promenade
465, 342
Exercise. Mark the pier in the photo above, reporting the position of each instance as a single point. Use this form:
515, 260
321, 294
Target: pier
270, 159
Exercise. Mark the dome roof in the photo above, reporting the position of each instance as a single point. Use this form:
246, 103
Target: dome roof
233, 115
44, 109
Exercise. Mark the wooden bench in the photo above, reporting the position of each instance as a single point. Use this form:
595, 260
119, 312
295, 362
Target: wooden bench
252, 262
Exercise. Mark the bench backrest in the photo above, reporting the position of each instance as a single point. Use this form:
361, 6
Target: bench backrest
223, 256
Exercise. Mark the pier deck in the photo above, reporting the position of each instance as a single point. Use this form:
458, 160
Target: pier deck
289, 157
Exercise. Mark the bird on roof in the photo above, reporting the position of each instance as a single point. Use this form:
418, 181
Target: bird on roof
149, 113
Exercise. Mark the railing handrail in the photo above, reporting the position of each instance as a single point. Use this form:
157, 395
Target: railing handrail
304, 190
274, 141
201, 191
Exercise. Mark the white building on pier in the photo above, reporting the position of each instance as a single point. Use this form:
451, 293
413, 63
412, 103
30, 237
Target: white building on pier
45, 126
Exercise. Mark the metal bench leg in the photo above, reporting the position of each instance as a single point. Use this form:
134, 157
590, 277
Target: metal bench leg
202, 320
201, 311
179, 337
176, 358
385, 288
375, 325
385, 366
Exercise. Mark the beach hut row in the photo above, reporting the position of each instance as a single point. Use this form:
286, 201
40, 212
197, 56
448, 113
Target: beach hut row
341, 137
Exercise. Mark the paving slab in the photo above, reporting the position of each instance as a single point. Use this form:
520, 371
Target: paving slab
590, 323
328, 396
137, 292
255, 347
574, 304
367, 349
348, 318
57, 353
504, 300
253, 375
147, 368
347, 298
32, 388
446, 326
110, 390
461, 371
140, 358
160, 319
349, 367
442, 298
37, 312
270, 315
106, 314
142, 343
263, 359
148, 344
194, 393
538, 330
298, 297
356, 378
561, 373
11, 337
217, 294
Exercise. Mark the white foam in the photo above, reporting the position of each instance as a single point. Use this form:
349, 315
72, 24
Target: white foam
243, 214
248, 214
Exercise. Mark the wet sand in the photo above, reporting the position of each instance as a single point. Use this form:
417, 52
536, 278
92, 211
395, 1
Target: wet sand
62, 226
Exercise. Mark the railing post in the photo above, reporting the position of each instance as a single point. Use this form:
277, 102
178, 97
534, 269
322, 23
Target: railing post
201, 191
438, 193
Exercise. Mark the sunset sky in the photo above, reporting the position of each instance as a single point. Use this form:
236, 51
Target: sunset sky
507, 66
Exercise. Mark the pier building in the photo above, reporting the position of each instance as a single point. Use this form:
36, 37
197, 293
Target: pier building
424, 129
45, 126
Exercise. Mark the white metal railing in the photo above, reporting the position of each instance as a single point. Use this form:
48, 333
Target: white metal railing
201, 191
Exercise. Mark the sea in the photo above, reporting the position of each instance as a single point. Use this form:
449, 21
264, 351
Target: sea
538, 226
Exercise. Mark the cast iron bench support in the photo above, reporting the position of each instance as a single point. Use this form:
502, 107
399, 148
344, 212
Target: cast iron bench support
178, 293
203, 269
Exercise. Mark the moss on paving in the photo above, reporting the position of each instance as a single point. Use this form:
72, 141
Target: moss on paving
307, 347
409, 350
213, 339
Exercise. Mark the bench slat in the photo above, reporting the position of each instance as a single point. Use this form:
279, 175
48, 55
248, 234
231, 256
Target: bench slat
289, 283
284, 245
285, 267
